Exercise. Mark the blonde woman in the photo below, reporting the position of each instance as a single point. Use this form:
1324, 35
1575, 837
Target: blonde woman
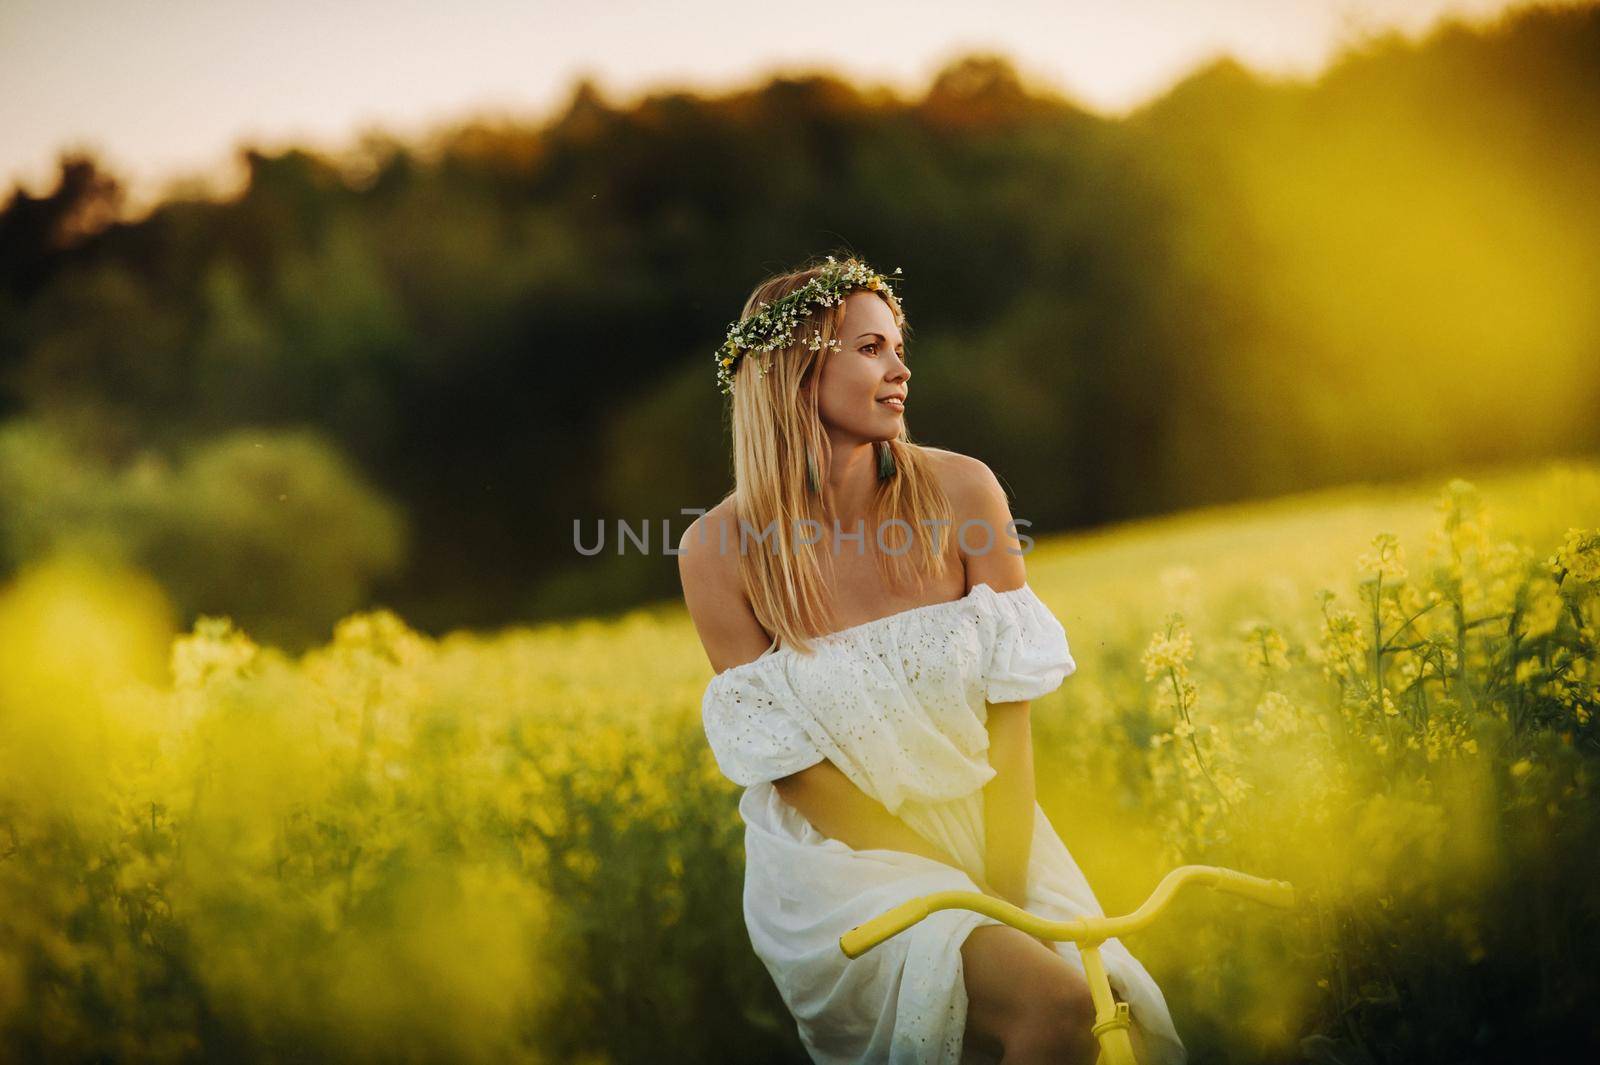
864, 604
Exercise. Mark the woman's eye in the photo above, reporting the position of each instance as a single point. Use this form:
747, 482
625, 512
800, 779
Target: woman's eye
871, 348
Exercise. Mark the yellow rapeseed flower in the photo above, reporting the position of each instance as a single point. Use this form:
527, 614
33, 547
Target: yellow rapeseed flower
1385, 559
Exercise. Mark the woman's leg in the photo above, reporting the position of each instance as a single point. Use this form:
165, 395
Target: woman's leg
1026, 1001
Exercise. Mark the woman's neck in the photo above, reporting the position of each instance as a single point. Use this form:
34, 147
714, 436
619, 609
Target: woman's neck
852, 482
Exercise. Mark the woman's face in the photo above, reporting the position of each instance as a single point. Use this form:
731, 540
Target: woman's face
868, 369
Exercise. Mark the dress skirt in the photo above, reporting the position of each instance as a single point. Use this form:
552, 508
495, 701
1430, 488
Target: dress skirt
904, 1001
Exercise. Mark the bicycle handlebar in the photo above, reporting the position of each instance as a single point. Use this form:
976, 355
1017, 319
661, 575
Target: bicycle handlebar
865, 936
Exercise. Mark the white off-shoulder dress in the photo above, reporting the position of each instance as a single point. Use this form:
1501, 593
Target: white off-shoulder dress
898, 704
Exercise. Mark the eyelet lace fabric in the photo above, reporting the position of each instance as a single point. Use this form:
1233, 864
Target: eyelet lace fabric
900, 706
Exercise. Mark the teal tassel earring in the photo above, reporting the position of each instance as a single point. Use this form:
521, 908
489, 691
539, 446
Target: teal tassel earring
886, 466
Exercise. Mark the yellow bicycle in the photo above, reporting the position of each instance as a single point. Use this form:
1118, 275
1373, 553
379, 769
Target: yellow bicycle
1112, 1019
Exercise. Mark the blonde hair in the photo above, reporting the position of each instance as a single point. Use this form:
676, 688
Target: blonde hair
776, 427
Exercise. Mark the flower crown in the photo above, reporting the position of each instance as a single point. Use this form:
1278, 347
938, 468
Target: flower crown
772, 326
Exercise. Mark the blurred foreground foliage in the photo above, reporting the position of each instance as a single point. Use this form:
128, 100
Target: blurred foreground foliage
518, 847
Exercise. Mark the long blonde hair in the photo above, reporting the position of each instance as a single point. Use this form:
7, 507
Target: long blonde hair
776, 427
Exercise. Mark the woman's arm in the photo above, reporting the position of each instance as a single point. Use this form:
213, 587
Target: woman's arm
840, 810
994, 557
1008, 801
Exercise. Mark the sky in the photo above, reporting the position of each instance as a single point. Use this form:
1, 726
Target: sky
170, 89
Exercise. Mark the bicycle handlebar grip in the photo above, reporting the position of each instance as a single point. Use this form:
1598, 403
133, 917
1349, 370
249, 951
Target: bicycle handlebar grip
1278, 893
863, 937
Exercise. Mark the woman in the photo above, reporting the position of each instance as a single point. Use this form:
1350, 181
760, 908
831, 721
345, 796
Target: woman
884, 748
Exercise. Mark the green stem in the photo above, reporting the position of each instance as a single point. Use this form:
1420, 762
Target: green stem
1177, 694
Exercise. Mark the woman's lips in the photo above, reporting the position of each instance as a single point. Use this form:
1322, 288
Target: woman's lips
894, 403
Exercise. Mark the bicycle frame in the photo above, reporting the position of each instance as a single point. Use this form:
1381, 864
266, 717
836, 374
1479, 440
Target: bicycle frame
1112, 1019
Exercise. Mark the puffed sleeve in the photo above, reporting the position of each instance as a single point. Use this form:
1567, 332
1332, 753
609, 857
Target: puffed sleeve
752, 736
1028, 654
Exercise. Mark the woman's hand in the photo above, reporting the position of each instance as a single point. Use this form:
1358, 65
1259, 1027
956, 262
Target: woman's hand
987, 889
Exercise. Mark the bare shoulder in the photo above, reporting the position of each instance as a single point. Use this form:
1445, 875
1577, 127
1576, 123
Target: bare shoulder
702, 567
708, 568
985, 530
970, 484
